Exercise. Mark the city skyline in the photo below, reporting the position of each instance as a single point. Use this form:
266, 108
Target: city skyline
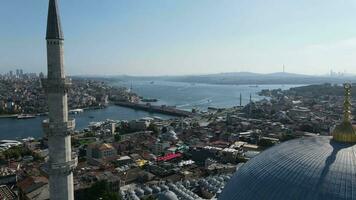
184, 37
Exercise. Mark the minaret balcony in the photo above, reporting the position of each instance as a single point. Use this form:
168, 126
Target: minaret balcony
66, 167
56, 85
58, 129
71, 124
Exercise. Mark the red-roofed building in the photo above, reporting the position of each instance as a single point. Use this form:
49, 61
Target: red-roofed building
34, 188
169, 157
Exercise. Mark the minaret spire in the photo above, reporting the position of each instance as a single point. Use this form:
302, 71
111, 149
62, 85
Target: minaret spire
54, 29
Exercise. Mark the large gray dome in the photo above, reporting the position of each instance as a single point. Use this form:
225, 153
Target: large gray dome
306, 168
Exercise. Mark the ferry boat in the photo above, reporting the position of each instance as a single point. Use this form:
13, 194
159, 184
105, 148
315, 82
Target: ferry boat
149, 100
25, 116
76, 111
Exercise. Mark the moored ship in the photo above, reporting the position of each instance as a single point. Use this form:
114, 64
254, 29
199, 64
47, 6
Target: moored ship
25, 116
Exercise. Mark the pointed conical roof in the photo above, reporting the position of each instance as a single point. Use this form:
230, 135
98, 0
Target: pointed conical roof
54, 29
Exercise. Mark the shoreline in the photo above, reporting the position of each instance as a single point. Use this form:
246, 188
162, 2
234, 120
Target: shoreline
14, 116
9, 116
85, 120
46, 113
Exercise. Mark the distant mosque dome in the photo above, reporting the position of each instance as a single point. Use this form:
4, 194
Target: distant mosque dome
170, 136
310, 168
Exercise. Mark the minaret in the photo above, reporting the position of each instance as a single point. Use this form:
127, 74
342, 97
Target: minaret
58, 127
240, 99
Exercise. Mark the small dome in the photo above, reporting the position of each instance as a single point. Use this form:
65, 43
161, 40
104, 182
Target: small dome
139, 192
171, 185
164, 188
186, 183
156, 189
167, 195
147, 190
135, 198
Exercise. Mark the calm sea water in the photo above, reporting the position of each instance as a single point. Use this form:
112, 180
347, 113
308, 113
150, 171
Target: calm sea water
14, 128
187, 96
183, 95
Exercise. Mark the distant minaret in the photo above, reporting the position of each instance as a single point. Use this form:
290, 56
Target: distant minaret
250, 106
240, 99
284, 69
58, 127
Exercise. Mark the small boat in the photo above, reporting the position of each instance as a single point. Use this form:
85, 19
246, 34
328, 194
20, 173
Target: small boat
76, 111
149, 100
91, 117
212, 108
152, 82
25, 116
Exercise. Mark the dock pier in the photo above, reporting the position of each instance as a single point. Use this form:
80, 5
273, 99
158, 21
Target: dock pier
163, 109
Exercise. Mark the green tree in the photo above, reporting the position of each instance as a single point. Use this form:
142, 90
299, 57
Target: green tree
265, 143
117, 137
152, 127
16, 152
89, 134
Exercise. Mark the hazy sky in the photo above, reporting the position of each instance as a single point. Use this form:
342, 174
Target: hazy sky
167, 37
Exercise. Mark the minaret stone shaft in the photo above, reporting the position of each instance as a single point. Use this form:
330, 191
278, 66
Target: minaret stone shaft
58, 127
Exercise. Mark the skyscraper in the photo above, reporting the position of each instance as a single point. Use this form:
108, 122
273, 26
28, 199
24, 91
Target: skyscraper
58, 127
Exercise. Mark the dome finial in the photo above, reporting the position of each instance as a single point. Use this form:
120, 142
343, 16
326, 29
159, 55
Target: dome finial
347, 102
345, 132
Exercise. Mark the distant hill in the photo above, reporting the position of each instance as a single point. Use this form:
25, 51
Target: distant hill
239, 78
284, 74
255, 78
